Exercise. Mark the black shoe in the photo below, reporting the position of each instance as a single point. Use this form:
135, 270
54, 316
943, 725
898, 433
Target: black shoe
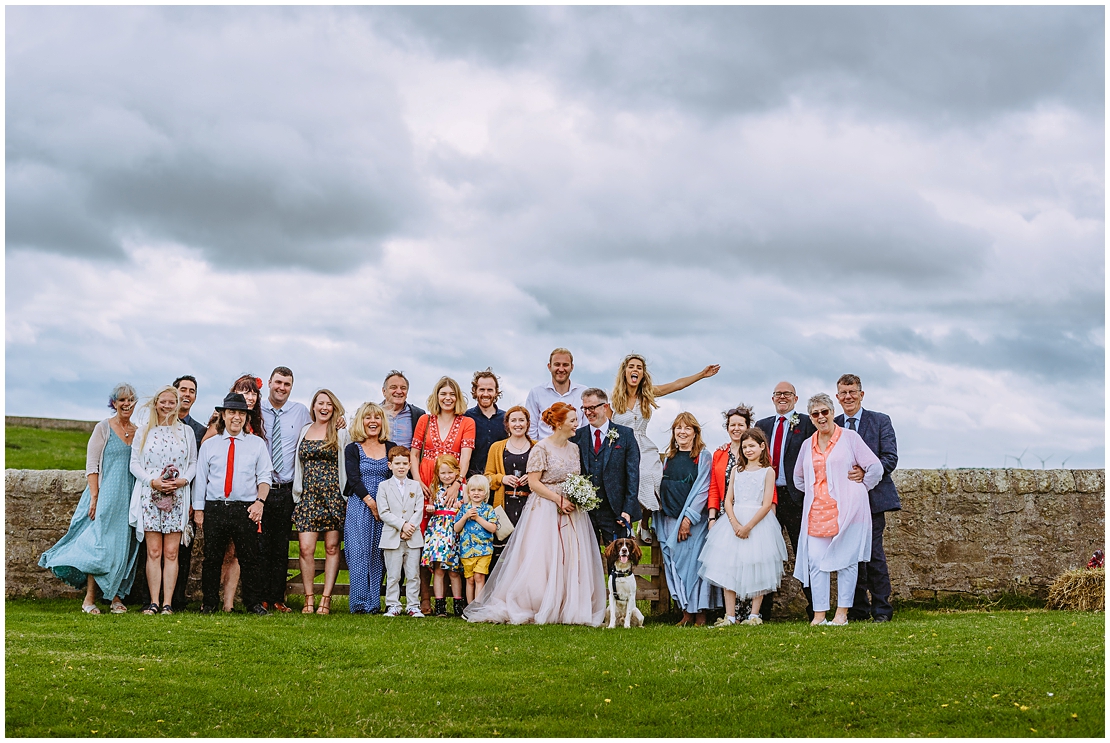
259, 610
460, 604
858, 616
441, 607
881, 618
207, 610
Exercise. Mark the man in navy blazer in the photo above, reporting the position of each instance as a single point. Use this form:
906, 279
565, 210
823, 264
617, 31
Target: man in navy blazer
877, 432
789, 430
610, 457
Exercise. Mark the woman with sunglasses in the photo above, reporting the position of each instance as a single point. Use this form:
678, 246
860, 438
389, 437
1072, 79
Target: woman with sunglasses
836, 512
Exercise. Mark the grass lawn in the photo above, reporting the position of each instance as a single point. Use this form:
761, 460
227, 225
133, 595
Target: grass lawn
1007, 673
44, 449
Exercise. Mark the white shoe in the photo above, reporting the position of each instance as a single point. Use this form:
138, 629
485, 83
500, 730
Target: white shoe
725, 621
415, 613
753, 620
393, 611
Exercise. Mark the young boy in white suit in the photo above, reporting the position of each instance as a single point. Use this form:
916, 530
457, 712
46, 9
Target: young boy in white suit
401, 507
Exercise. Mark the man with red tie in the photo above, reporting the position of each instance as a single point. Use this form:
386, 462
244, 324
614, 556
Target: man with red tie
232, 481
610, 457
787, 431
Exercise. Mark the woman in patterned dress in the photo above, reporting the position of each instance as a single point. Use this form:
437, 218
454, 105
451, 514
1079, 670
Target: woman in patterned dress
444, 429
163, 463
367, 467
633, 399
319, 481
551, 570
99, 549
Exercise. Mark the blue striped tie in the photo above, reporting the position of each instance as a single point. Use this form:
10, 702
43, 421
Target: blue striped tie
276, 440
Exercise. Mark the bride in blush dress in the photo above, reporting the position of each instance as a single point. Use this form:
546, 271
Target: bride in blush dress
551, 570
633, 400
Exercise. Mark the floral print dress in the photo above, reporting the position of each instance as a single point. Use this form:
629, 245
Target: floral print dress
441, 543
322, 506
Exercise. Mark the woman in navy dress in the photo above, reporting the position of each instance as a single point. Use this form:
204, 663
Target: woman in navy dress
367, 463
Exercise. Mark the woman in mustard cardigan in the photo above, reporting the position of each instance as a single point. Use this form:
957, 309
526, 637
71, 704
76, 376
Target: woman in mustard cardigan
507, 468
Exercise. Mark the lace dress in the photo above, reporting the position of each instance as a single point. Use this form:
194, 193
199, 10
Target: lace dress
651, 468
551, 570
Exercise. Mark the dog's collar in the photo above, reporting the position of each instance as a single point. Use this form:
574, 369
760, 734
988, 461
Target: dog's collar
615, 570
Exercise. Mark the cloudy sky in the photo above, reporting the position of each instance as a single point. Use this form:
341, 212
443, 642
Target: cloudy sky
915, 195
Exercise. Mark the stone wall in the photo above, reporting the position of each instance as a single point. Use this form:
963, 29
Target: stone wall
974, 532
55, 423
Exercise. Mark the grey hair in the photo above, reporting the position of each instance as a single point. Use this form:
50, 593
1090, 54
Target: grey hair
395, 373
121, 390
818, 398
597, 392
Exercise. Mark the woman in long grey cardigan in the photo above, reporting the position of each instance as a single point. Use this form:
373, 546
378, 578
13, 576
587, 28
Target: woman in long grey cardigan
100, 547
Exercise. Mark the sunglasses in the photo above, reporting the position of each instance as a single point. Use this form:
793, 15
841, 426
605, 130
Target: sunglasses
823, 413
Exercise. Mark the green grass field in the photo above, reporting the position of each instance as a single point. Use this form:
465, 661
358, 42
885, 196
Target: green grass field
1009, 673
44, 449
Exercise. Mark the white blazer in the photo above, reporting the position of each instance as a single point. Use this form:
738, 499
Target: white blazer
298, 469
400, 502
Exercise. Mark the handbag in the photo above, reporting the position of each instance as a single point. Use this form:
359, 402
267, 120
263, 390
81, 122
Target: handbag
504, 526
187, 534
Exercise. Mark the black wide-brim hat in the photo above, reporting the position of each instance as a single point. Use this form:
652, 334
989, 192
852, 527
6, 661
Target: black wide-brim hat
234, 401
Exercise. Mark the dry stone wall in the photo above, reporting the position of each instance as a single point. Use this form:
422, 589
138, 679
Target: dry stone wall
974, 532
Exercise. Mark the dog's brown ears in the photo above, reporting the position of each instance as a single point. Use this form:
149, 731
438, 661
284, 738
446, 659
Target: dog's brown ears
637, 553
611, 552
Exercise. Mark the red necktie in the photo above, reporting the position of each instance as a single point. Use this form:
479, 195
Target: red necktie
230, 476
597, 440
778, 444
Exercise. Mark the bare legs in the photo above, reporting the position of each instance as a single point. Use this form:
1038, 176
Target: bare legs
159, 546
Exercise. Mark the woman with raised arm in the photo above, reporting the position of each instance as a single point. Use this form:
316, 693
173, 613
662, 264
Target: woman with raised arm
100, 549
633, 401
551, 570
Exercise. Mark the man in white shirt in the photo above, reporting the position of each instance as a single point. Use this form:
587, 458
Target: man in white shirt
232, 482
560, 389
282, 420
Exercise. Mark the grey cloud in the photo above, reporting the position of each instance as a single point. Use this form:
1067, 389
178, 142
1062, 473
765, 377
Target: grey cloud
237, 152
941, 64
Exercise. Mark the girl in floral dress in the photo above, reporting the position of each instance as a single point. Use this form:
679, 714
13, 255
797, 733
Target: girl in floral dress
441, 543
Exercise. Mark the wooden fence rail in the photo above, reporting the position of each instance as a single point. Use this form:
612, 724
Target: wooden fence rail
651, 581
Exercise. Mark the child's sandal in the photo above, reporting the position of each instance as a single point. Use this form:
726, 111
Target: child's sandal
325, 605
308, 604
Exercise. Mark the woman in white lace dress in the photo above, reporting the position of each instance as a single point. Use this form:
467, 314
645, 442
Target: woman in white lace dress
633, 400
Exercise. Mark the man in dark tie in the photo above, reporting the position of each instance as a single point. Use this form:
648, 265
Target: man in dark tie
610, 457
877, 432
787, 431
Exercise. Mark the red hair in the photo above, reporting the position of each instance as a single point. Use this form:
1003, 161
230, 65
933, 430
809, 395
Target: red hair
556, 415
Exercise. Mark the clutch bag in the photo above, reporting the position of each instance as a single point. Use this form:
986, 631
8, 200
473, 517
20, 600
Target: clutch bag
504, 526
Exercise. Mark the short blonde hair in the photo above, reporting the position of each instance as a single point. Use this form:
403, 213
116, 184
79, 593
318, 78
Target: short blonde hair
433, 399
358, 429
562, 351
480, 480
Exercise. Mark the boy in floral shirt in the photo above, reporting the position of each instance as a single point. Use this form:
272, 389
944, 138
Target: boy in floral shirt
475, 526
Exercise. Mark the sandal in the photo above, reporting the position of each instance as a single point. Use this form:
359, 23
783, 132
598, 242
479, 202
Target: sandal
167, 610
325, 605
118, 607
150, 609
90, 609
308, 604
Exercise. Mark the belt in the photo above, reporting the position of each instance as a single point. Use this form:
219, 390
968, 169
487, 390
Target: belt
445, 513
279, 485
227, 502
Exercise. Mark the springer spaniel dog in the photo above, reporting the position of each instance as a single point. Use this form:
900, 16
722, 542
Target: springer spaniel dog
620, 557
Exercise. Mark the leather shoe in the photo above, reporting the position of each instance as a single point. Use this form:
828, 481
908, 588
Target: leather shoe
207, 610
881, 618
258, 610
278, 606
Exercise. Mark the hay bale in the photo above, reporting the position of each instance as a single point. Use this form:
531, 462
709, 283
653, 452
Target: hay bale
1079, 590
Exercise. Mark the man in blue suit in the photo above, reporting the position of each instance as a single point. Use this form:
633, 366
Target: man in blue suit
610, 457
877, 432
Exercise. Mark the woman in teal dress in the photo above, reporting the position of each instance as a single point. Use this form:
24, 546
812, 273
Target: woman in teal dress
100, 547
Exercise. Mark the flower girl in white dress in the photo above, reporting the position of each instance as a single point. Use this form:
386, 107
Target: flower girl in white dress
747, 559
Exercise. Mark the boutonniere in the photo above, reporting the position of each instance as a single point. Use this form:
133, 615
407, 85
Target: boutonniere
793, 420
613, 434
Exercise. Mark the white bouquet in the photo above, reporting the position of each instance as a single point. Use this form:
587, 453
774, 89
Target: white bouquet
580, 491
